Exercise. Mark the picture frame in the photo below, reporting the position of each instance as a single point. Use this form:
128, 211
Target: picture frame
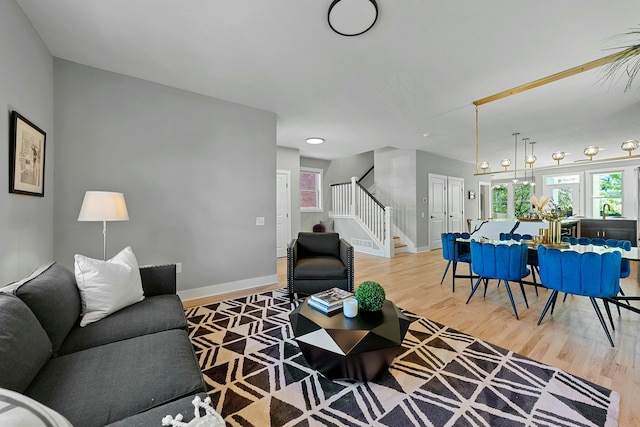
472, 195
27, 149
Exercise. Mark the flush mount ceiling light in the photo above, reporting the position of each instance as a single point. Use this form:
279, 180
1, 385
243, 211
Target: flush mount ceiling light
352, 17
314, 141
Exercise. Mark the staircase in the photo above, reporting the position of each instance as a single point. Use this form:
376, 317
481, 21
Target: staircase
398, 246
360, 217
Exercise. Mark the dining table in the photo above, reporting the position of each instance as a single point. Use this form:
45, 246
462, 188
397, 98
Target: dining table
631, 255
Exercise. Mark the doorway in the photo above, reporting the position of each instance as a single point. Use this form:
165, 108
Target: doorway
446, 207
484, 200
283, 212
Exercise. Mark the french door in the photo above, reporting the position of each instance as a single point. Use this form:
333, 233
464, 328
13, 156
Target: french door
446, 207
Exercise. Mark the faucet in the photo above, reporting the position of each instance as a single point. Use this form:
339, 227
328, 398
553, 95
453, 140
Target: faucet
604, 211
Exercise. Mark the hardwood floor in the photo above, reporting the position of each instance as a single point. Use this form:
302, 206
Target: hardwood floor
572, 339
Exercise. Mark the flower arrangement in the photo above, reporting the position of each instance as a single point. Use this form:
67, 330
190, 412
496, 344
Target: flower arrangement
546, 208
370, 296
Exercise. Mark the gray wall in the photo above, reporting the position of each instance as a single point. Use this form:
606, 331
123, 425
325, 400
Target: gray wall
309, 219
334, 172
341, 170
430, 163
26, 85
396, 187
289, 159
195, 171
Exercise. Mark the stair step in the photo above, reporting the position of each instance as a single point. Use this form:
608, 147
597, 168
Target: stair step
395, 237
399, 245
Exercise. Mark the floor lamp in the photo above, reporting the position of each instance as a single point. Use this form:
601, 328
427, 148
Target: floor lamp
103, 206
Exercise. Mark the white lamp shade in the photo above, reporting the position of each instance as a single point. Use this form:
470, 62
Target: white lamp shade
103, 206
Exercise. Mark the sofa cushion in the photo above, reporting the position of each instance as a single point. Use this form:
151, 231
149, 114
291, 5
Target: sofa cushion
105, 384
107, 286
153, 417
24, 345
154, 314
318, 244
320, 268
52, 295
17, 410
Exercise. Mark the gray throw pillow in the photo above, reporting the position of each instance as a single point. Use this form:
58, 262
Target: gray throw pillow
52, 295
24, 345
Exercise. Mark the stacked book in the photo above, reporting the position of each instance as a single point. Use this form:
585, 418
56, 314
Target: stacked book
329, 302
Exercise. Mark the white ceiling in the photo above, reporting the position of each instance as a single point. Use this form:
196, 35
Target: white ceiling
416, 72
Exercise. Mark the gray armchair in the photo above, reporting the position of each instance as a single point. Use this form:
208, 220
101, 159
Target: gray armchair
317, 262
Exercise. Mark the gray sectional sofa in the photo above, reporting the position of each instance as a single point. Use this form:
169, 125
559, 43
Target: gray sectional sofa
130, 368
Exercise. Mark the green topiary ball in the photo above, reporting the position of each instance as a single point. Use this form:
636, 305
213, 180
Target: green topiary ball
370, 296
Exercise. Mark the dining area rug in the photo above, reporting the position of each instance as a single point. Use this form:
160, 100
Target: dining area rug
257, 376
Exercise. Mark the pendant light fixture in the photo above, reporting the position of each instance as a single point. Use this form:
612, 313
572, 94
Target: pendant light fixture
557, 156
515, 149
591, 151
629, 145
525, 181
530, 160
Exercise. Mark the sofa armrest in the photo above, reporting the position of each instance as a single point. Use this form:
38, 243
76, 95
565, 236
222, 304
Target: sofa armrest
158, 279
346, 255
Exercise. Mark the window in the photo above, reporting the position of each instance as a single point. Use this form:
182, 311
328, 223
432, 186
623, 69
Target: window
310, 190
522, 200
511, 200
499, 204
564, 190
606, 188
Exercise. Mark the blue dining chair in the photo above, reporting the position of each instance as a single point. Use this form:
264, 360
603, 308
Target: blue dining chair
502, 262
588, 274
532, 259
625, 266
570, 240
515, 236
584, 241
455, 252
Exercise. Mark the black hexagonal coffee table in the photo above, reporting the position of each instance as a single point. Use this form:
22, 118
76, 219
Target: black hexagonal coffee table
358, 348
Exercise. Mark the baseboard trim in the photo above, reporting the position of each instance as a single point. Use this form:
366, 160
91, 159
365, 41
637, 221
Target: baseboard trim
225, 288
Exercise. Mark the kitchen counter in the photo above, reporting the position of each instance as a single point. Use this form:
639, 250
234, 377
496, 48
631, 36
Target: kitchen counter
610, 228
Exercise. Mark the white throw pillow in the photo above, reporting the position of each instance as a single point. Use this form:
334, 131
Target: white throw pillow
17, 410
107, 286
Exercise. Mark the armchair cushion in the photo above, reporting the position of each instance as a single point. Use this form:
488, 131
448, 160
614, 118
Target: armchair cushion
320, 268
318, 244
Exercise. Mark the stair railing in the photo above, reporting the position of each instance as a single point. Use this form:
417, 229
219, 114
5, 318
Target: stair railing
350, 199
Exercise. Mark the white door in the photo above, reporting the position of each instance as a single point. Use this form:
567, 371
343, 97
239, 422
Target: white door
437, 209
455, 205
283, 212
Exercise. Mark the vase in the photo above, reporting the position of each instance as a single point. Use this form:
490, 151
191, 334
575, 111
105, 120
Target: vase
555, 231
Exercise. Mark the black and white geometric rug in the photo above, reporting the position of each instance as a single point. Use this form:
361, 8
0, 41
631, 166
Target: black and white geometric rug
257, 376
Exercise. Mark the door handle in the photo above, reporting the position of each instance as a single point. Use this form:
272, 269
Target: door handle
432, 217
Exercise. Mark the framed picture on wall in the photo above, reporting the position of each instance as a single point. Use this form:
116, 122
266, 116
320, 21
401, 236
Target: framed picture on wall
27, 143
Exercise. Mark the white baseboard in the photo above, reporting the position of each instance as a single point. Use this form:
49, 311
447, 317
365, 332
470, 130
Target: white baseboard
225, 288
